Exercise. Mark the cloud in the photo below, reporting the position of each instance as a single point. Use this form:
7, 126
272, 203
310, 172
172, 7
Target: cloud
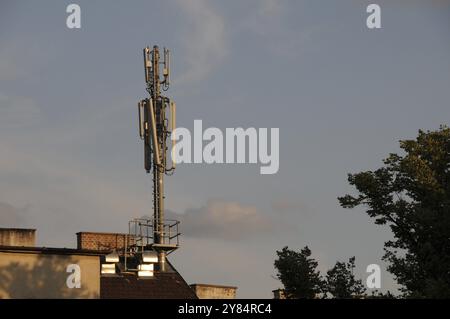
205, 40
10, 216
286, 208
286, 205
18, 56
223, 220
266, 19
18, 111
269, 20
9, 66
270, 8
8, 70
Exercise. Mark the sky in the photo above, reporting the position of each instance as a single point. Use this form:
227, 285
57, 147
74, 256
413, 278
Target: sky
342, 96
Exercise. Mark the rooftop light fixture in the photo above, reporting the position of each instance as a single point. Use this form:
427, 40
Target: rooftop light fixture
145, 270
108, 269
149, 257
112, 258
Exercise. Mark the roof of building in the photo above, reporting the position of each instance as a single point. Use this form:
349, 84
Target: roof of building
15, 228
164, 285
212, 286
53, 251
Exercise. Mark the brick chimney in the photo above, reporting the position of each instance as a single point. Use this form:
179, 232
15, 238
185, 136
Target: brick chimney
102, 241
204, 291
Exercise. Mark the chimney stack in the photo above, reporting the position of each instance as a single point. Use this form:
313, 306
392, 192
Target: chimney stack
17, 237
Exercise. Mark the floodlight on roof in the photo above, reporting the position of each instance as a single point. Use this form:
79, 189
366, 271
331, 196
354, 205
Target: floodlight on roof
145, 274
108, 269
149, 257
145, 270
145, 267
112, 258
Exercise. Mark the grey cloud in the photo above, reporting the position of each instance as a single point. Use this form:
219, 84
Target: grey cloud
18, 111
269, 21
224, 220
286, 205
270, 8
10, 216
205, 40
9, 67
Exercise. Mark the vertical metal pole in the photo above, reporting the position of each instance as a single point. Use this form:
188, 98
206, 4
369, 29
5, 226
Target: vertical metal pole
161, 253
159, 166
152, 117
173, 109
156, 183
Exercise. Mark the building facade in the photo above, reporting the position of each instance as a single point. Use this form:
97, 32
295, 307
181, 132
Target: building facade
38, 272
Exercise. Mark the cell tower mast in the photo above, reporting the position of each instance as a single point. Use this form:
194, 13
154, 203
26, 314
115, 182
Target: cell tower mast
156, 125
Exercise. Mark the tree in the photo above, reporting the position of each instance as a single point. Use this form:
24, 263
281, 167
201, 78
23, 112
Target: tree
411, 194
340, 281
375, 294
297, 271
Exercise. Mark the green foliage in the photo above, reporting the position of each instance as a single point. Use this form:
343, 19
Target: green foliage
297, 271
301, 279
411, 194
340, 281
